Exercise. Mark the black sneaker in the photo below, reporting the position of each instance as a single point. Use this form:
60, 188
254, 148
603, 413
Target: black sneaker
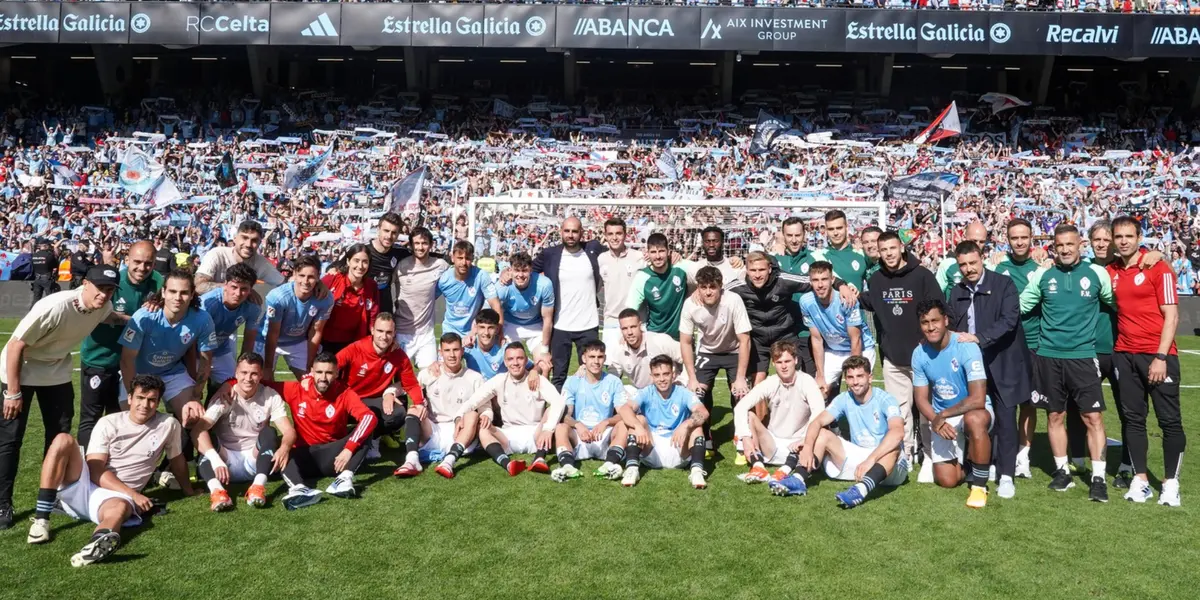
103, 544
6, 516
1062, 481
1098, 490
1122, 480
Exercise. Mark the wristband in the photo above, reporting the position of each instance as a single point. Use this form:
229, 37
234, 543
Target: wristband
214, 457
8, 396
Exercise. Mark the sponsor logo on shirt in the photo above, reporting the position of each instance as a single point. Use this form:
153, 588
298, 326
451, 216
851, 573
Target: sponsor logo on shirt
300, 414
945, 389
976, 367
1052, 286
119, 305
270, 312
162, 359
129, 334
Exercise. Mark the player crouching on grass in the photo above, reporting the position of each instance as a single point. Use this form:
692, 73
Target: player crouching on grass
104, 485
445, 434
529, 416
662, 419
870, 458
793, 399
950, 390
235, 437
591, 422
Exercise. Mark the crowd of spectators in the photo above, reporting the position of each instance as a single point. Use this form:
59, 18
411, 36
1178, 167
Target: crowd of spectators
60, 173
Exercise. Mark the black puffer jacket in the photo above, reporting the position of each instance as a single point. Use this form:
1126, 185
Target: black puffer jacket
772, 311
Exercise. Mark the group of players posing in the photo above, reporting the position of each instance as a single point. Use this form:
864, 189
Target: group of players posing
798, 312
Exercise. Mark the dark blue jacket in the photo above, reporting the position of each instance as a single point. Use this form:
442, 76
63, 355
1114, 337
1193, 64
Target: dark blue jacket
998, 327
548, 261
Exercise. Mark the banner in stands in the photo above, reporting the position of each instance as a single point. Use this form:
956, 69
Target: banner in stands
579, 26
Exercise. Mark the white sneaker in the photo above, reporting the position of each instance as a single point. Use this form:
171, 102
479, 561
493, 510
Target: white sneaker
1170, 493
342, 487
167, 479
39, 531
373, 450
697, 478
1023, 468
1007, 489
631, 476
926, 474
1139, 491
101, 546
564, 473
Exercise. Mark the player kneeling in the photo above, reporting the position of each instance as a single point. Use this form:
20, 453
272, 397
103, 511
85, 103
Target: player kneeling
794, 399
662, 419
529, 415
872, 455
104, 486
447, 432
235, 437
590, 422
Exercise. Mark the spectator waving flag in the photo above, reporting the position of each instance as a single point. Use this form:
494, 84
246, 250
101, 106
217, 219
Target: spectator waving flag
1002, 102
226, 174
768, 128
162, 194
64, 175
504, 109
669, 166
944, 126
300, 175
406, 194
139, 171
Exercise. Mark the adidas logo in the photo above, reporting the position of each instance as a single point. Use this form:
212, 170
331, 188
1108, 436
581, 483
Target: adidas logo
322, 27
1096, 405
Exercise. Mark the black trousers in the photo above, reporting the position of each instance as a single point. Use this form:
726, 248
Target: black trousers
58, 410
42, 287
267, 444
707, 368
388, 424
1006, 440
307, 463
98, 397
560, 351
1132, 373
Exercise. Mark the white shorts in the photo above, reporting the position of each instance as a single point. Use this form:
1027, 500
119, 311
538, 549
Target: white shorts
593, 450
82, 499
944, 450
176, 384
441, 438
782, 446
855, 455
242, 466
421, 348
522, 439
662, 454
529, 335
834, 360
294, 354
223, 368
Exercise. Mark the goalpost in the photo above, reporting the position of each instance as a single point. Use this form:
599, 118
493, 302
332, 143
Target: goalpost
527, 221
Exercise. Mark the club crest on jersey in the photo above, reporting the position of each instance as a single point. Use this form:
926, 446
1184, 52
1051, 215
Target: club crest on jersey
1139, 279
877, 417
312, 311
329, 410
854, 265
394, 262
954, 364
470, 291
387, 368
841, 320
496, 365
259, 415
675, 280
95, 382
605, 398
674, 410
185, 335
1085, 283
370, 304
804, 268
238, 322
153, 444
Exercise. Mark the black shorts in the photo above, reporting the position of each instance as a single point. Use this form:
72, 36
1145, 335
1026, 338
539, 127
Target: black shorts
1064, 380
707, 367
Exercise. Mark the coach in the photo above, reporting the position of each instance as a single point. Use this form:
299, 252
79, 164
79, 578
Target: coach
575, 272
36, 361
986, 309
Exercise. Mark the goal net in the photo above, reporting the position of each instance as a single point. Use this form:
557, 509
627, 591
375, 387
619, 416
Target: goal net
502, 226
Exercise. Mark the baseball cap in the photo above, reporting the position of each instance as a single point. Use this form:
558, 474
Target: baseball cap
102, 275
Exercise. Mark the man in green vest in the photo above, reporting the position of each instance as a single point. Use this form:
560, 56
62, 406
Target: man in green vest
662, 286
100, 353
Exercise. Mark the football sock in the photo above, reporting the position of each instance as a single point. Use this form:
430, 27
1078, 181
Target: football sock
412, 433
214, 485
979, 476
456, 451
540, 454
260, 479
757, 459
801, 472
615, 454
874, 476
566, 458
496, 451
412, 457
1023, 454
1060, 463
633, 452
45, 502
1099, 468
698, 452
